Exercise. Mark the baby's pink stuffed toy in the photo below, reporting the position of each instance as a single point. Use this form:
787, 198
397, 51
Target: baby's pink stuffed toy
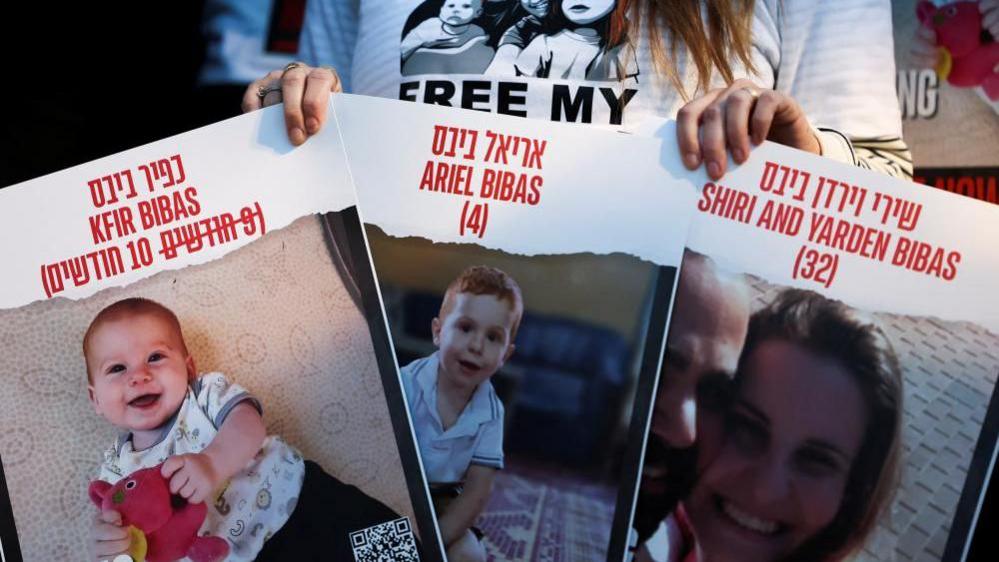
168, 524
967, 60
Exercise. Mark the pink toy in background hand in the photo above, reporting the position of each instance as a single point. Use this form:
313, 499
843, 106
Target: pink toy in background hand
170, 524
968, 60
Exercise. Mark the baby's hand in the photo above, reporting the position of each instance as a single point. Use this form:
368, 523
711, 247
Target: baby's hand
192, 476
110, 537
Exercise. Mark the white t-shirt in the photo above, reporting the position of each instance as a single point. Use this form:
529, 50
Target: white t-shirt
835, 58
475, 438
256, 502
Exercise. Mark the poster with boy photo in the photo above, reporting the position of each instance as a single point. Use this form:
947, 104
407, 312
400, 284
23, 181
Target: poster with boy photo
527, 282
829, 383
194, 365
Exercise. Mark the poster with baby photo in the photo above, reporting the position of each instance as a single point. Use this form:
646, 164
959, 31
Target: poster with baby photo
195, 364
829, 382
947, 62
527, 270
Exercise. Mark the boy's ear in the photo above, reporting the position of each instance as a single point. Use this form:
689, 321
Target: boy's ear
435, 330
509, 352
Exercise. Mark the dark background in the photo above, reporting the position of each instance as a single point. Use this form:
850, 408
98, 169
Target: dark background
983, 546
88, 79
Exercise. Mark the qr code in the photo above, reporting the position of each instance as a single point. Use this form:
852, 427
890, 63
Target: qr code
391, 541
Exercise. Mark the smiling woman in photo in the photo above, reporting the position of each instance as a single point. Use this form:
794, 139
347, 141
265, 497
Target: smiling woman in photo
805, 457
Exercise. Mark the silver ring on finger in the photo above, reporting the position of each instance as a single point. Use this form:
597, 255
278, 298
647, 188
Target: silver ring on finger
290, 66
753, 93
265, 89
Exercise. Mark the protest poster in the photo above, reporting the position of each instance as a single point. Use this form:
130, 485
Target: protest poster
950, 121
828, 385
223, 255
560, 249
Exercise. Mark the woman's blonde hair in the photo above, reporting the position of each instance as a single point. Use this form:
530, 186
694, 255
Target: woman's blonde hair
711, 45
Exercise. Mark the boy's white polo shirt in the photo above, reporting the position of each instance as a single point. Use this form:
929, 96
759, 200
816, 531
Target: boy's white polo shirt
475, 438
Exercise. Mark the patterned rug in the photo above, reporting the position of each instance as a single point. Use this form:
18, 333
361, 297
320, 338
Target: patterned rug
538, 514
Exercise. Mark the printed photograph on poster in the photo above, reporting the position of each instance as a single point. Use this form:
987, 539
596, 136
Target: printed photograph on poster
519, 38
828, 389
195, 362
528, 337
946, 58
583, 62
551, 400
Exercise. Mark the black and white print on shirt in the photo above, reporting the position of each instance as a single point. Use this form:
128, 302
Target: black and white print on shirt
558, 39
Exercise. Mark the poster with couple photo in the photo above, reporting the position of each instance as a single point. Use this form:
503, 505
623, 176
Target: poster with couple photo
184, 322
828, 386
527, 285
